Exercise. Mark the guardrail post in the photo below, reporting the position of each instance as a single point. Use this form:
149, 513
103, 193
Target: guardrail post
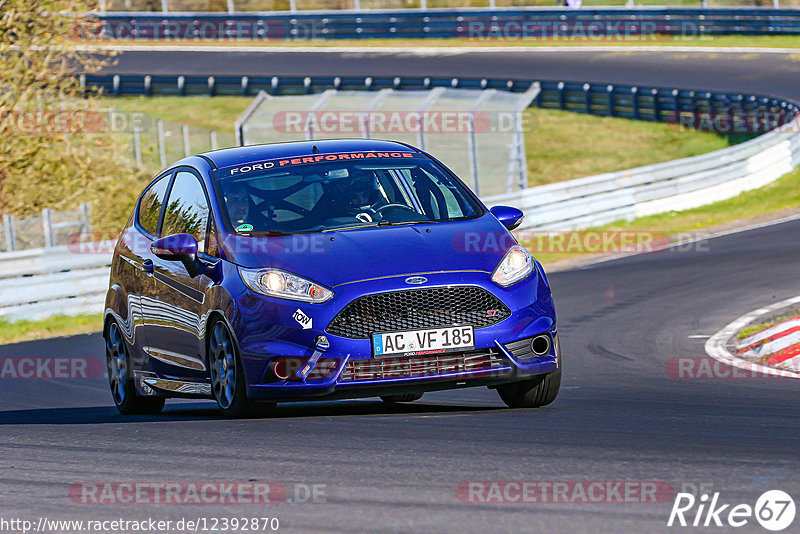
212, 86
148, 85
214, 143
187, 148
245, 85
181, 86
656, 106
86, 219
357, 5
47, 226
115, 85
423, 4
11, 235
165, 6
293, 6
562, 100
587, 98
162, 148
611, 102
231, 7
492, 4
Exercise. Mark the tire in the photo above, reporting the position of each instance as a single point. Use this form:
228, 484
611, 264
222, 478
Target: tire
123, 390
534, 393
227, 376
405, 397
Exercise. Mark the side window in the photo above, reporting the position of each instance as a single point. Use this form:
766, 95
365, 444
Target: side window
187, 209
150, 205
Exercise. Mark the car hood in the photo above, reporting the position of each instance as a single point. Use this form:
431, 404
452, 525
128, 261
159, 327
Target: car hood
336, 258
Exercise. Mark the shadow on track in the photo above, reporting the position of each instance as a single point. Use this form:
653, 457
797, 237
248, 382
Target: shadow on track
206, 411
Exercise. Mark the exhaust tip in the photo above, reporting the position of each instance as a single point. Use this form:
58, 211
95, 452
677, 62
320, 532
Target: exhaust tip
540, 345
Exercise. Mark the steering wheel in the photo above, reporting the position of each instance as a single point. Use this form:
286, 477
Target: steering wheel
396, 205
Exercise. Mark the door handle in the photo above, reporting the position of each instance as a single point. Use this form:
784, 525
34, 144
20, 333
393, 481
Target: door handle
147, 266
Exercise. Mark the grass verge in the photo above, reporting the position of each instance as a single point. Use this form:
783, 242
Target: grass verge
56, 326
559, 145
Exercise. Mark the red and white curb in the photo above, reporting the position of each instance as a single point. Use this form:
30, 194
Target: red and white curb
778, 342
776, 346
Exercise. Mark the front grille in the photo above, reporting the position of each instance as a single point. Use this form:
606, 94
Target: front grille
420, 366
416, 309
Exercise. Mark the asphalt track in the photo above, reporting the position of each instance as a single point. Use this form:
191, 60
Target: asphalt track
773, 74
620, 415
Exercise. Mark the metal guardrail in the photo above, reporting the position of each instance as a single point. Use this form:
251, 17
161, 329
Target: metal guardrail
38, 283
672, 186
627, 101
470, 23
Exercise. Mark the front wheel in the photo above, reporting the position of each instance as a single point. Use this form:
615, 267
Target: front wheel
533, 393
123, 389
227, 375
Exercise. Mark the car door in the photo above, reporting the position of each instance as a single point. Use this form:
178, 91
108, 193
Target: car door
175, 306
135, 270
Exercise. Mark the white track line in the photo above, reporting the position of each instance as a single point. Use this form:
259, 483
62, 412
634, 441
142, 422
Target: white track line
715, 346
439, 50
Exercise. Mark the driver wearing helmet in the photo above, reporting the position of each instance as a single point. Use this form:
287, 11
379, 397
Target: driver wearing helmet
362, 194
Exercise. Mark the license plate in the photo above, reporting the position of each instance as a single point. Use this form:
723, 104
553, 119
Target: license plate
421, 342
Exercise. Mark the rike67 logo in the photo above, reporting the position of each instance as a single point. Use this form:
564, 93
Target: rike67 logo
774, 510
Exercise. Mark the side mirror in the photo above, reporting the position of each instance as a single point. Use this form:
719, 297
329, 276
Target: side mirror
176, 247
508, 216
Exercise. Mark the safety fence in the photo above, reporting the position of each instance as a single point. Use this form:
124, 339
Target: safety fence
50, 229
155, 143
503, 23
479, 134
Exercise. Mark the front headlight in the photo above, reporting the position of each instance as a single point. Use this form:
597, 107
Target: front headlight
276, 283
515, 265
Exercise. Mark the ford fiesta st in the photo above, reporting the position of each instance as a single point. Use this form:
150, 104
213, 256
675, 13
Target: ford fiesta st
323, 270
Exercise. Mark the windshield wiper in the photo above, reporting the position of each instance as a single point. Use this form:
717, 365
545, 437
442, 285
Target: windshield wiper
356, 226
374, 225
265, 233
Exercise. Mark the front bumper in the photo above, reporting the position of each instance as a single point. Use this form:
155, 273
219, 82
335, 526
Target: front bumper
267, 331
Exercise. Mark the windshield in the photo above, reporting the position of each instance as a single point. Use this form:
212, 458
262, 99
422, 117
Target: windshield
330, 192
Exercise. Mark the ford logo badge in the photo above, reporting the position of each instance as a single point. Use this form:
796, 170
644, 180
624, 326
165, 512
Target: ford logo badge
416, 280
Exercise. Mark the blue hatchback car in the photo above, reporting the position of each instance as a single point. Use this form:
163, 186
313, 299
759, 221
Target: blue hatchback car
323, 270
